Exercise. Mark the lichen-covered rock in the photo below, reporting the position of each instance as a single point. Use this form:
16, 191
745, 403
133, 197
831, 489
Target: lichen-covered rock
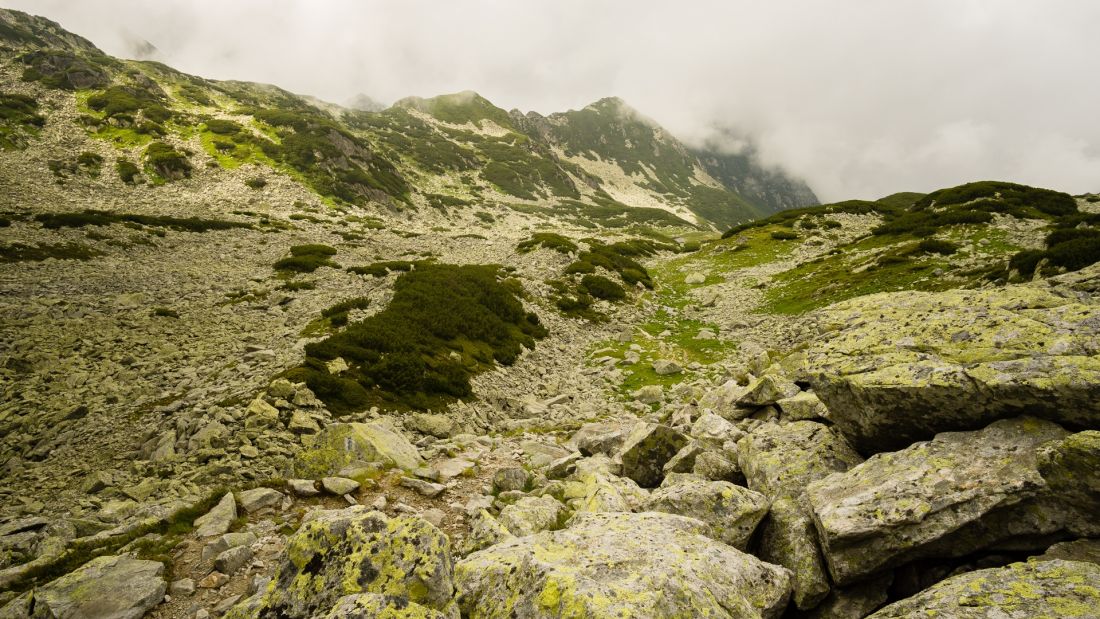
256, 499
779, 461
855, 601
1087, 550
900, 367
620, 565
484, 532
376, 606
1056, 589
1071, 468
768, 390
340, 444
646, 450
103, 588
960, 492
218, 520
601, 437
718, 465
603, 492
714, 430
531, 514
783, 459
733, 512
802, 406
356, 550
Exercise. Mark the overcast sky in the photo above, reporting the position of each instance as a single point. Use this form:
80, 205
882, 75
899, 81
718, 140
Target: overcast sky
861, 98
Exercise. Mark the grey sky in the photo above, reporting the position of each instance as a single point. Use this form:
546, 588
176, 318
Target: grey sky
860, 97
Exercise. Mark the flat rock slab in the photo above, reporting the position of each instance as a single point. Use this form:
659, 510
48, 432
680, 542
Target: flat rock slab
956, 494
341, 444
1043, 589
218, 520
733, 512
620, 565
104, 588
900, 367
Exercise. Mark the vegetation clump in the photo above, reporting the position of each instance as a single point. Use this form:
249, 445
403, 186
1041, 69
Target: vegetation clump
92, 217
256, 183
307, 259
164, 312
337, 315
937, 246
784, 235
547, 240
167, 162
127, 170
618, 258
602, 288
19, 252
1071, 249
19, 119
381, 269
444, 324
65, 71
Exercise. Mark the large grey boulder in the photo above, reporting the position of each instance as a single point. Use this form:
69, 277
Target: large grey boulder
103, 588
900, 367
779, 461
378, 606
1041, 589
646, 450
733, 512
951, 496
620, 565
531, 514
356, 550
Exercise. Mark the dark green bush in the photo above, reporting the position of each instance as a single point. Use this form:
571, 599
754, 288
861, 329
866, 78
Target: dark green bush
315, 249
1068, 248
402, 356
381, 269
547, 240
307, 259
167, 162
127, 170
784, 235
18, 252
92, 217
257, 183
617, 258
602, 288
223, 127
936, 246
165, 312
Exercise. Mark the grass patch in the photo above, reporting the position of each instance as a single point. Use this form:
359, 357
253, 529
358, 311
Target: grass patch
166, 162
444, 324
381, 269
19, 120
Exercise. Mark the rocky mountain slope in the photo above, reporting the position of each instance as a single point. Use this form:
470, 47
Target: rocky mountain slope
267, 357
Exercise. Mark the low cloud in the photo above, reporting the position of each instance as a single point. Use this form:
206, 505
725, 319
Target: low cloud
861, 98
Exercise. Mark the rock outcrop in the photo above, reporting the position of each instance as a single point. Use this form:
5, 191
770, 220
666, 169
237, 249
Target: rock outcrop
612, 565
113, 587
898, 368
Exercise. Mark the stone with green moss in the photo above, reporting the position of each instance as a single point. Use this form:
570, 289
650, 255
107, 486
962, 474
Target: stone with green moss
733, 512
532, 514
1048, 589
779, 461
1087, 550
355, 550
105, 587
485, 530
341, 444
620, 565
954, 495
897, 368
377, 606
646, 450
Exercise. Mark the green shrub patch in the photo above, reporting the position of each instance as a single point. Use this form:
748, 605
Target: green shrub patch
444, 324
307, 259
547, 240
93, 217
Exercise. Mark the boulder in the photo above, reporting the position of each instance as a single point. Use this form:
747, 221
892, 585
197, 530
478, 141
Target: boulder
855, 601
714, 430
650, 394
768, 390
1087, 550
1042, 589
531, 514
258, 498
900, 367
218, 520
802, 406
225, 542
446, 470
598, 438
603, 492
303, 487
666, 367
620, 565
378, 606
233, 559
733, 512
484, 532
718, 465
341, 444
104, 588
948, 497
339, 485
779, 461
646, 450
355, 550
432, 424
302, 423
511, 478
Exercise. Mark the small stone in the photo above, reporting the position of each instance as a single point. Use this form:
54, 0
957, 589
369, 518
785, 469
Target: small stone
666, 367
233, 559
303, 487
339, 485
695, 278
258, 498
425, 488
218, 520
183, 586
379, 504
213, 580
434, 515
510, 478
302, 423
